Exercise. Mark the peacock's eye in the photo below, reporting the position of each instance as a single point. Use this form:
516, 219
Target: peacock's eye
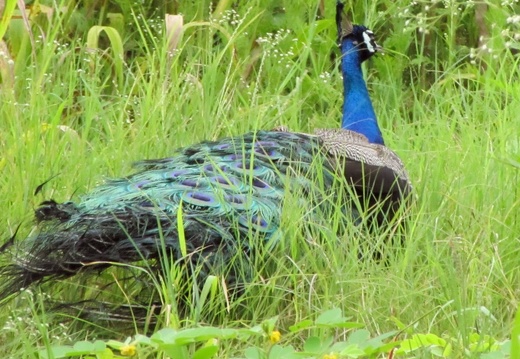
355, 42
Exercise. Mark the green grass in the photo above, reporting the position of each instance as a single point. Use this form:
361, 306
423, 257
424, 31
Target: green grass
68, 113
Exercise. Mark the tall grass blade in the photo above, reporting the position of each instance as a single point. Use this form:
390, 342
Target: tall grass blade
116, 45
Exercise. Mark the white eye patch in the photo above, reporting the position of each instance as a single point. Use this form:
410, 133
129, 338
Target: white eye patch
368, 39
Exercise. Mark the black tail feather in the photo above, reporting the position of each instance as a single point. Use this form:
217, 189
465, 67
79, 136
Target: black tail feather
10, 241
39, 188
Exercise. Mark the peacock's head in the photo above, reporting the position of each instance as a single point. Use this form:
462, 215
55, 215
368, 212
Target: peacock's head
358, 37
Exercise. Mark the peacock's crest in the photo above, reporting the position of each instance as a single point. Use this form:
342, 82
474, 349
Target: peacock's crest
361, 37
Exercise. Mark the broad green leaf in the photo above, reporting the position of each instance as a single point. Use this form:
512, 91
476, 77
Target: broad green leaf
253, 353
331, 316
203, 334
58, 351
359, 337
99, 345
142, 339
186, 336
435, 340
206, 352
83, 345
280, 352
317, 345
353, 350
409, 345
346, 325
304, 324
383, 348
437, 351
338, 346
105, 354
377, 342
175, 351
448, 349
165, 335
312, 344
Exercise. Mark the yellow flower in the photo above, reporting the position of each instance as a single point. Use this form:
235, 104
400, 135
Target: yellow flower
128, 350
275, 336
330, 356
45, 126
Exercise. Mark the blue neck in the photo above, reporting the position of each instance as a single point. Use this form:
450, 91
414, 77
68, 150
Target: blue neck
358, 113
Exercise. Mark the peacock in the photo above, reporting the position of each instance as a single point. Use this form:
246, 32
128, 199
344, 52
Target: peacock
214, 199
